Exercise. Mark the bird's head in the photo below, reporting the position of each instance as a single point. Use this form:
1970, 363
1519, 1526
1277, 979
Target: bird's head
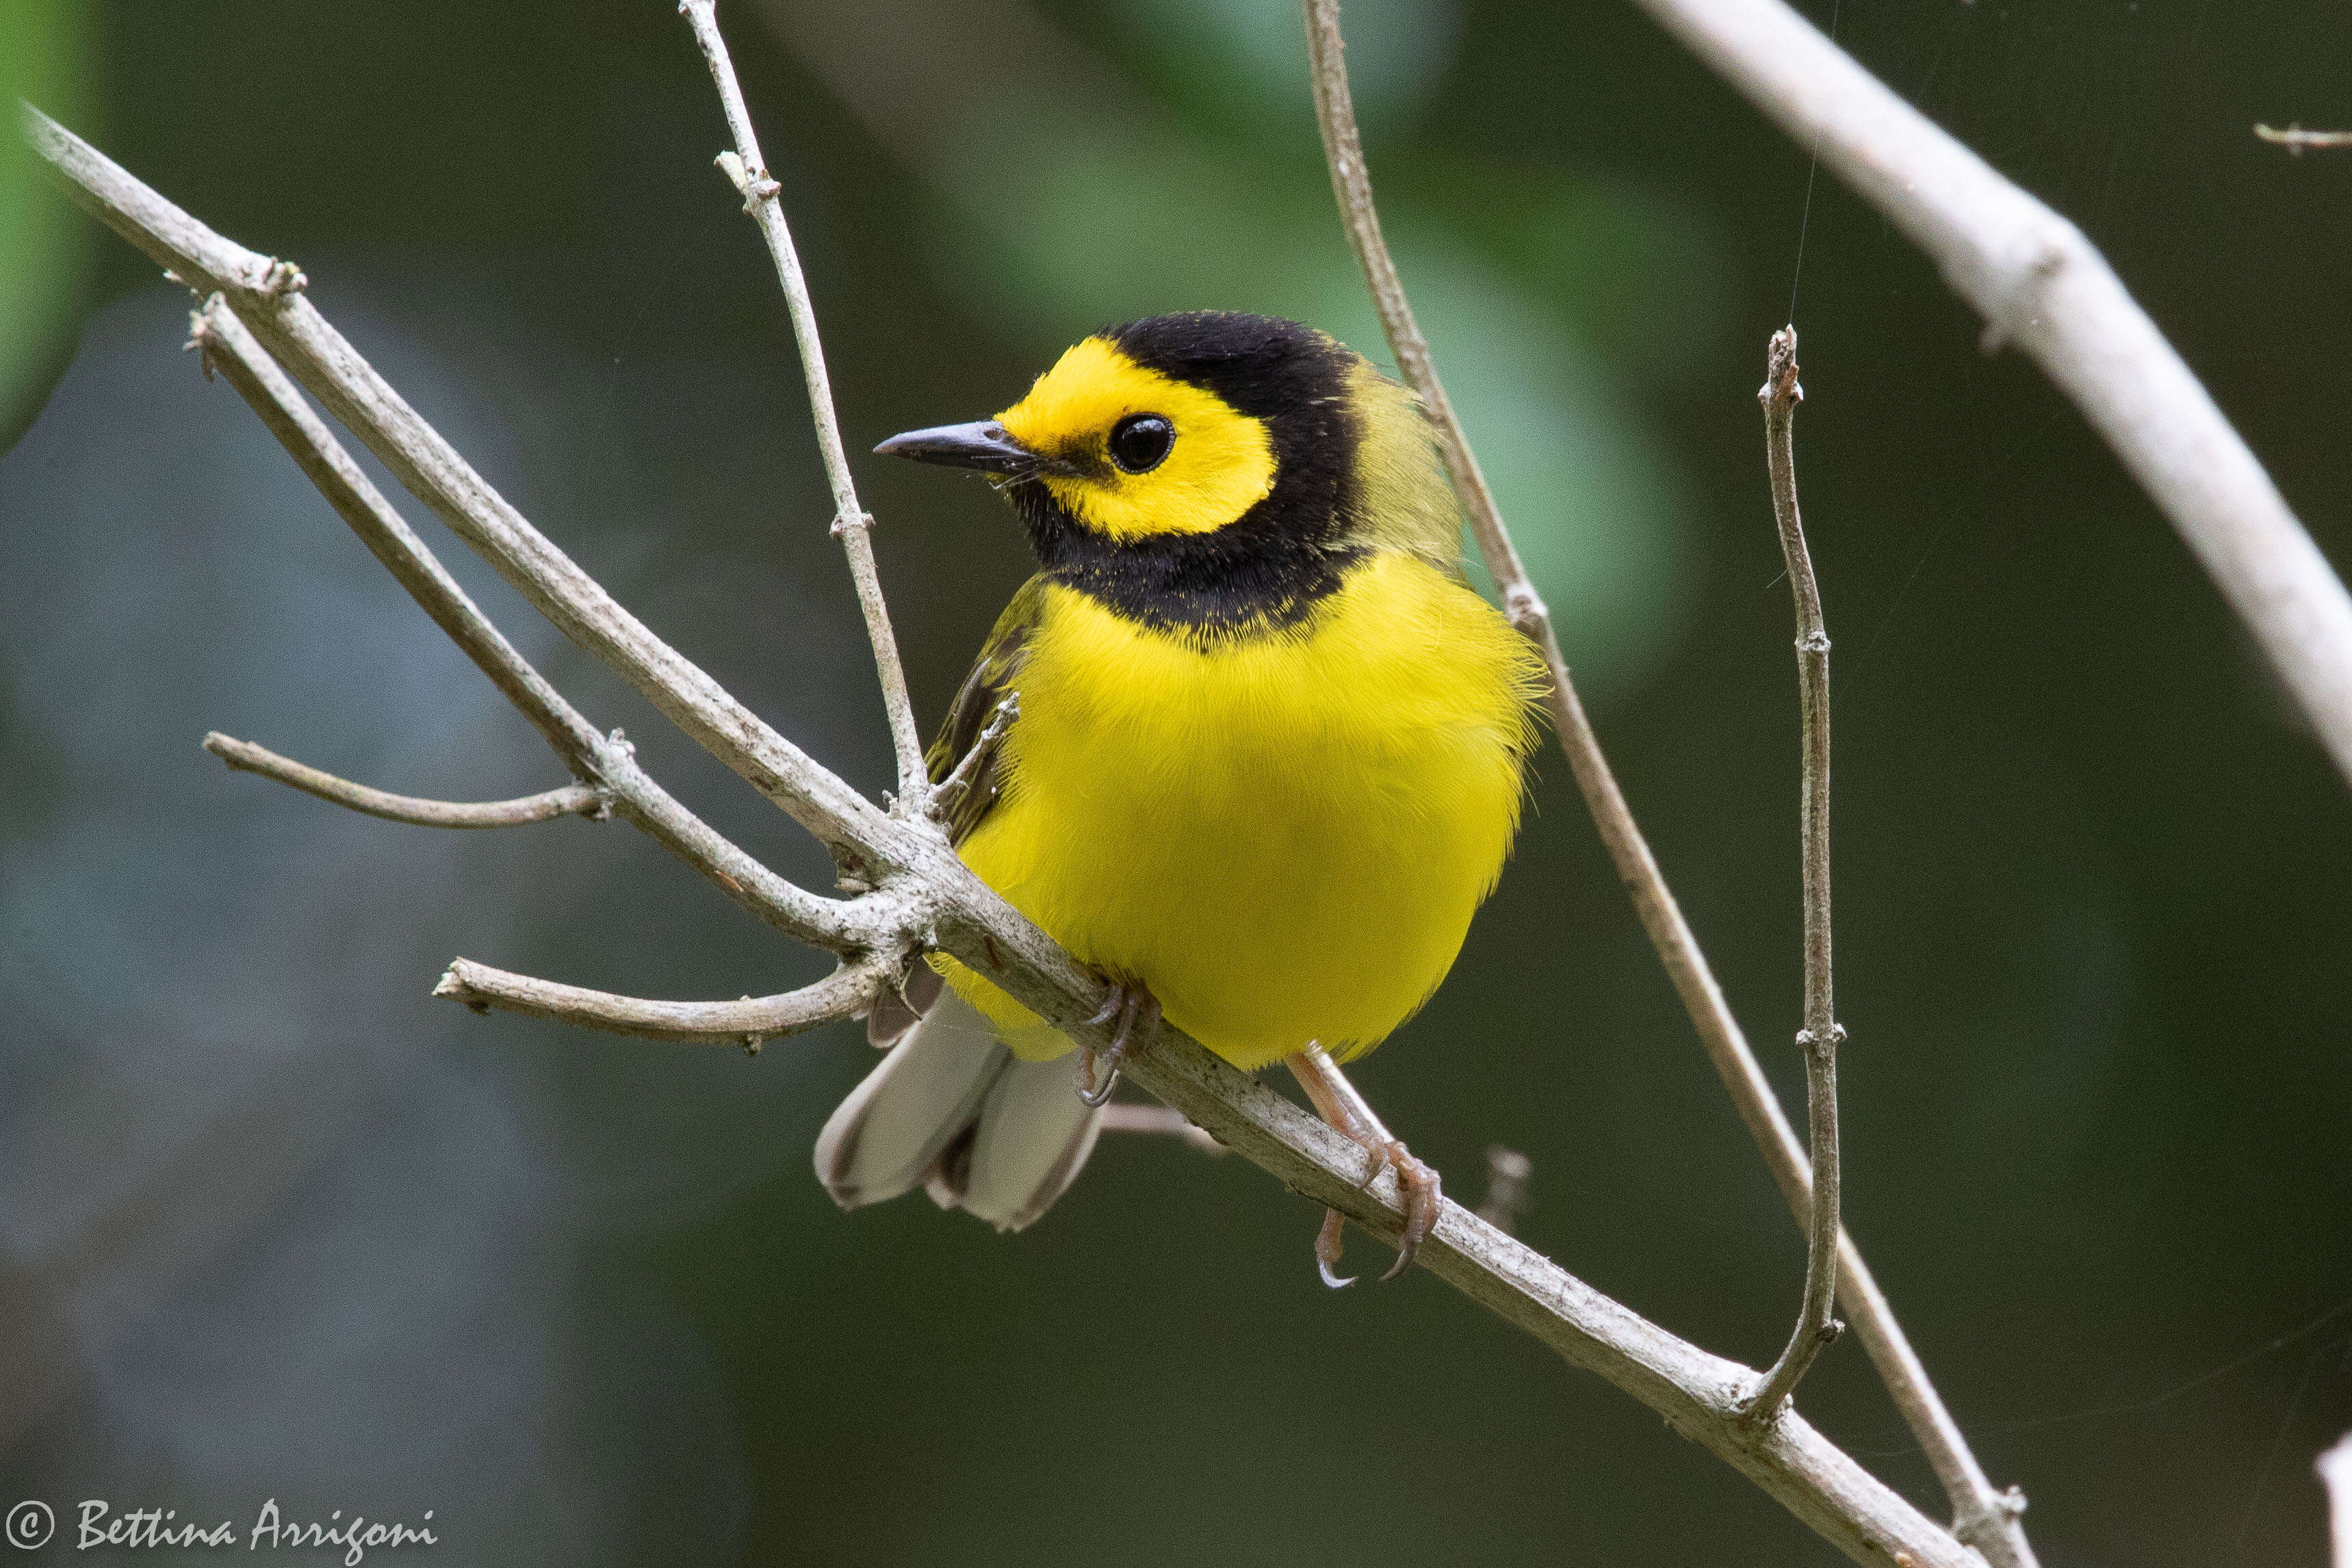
1208, 469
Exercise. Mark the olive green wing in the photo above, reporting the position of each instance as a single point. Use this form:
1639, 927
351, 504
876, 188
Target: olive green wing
982, 715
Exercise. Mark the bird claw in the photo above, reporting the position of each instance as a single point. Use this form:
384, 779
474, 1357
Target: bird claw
1328, 1243
1417, 1184
1088, 1093
1129, 1003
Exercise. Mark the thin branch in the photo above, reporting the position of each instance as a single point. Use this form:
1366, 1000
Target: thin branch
1166, 1121
267, 296
851, 523
571, 800
607, 764
1821, 1036
935, 901
2295, 139
2041, 285
1985, 1514
848, 992
952, 787
1351, 183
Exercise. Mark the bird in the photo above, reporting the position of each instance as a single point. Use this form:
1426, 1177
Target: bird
1248, 744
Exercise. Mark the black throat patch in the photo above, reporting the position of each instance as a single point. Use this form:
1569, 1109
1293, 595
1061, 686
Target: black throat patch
1266, 571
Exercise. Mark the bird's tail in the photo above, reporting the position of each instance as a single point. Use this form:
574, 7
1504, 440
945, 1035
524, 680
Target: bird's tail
952, 1110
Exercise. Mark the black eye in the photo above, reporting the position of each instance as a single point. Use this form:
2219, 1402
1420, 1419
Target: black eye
1139, 442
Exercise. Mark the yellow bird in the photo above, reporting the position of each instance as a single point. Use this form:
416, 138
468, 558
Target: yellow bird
1247, 744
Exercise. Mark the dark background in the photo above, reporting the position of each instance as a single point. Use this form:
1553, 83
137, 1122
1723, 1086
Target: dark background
273, 1223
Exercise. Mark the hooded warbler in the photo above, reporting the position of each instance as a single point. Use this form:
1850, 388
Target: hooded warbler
1248, 744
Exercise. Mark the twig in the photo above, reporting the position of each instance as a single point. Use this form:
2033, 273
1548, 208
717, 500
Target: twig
952, 787
2295, 139
2041, 285
761, 199
1351, 183
1127, 1116
571, 800
932, 898
266, 296
2335, 1469
1507, 1172
1985, 1515
844, 993
1821, 1036
607, 763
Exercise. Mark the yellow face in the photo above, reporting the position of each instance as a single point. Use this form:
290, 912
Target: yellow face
1146, 453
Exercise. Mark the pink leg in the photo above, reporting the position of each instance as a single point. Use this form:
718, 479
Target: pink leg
1336, 1101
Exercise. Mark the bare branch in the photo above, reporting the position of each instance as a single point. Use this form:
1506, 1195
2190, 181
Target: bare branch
2295, 139
762, 199
2041, 285
1821, 1036
930, 899
952, 787
571, 800
268, 297
1351, 183
606, 763
1984, 1513
1127, 1116
848, 992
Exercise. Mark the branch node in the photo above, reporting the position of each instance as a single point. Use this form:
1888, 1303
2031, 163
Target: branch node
846, 521
1525, 609
277, 280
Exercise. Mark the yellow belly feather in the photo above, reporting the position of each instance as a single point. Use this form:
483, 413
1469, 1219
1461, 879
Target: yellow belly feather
1284, 837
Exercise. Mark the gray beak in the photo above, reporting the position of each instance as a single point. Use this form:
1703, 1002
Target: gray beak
982, 445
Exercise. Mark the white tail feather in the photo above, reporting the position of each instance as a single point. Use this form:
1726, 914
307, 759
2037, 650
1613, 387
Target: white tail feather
951, 1108
1033, 1136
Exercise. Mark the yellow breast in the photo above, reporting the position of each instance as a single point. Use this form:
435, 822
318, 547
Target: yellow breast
1282, 836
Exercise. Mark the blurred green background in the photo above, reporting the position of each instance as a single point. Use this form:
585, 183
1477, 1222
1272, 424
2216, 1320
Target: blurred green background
272, 1223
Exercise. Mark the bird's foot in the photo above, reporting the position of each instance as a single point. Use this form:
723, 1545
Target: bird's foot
1417, 1182
1131, 1004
